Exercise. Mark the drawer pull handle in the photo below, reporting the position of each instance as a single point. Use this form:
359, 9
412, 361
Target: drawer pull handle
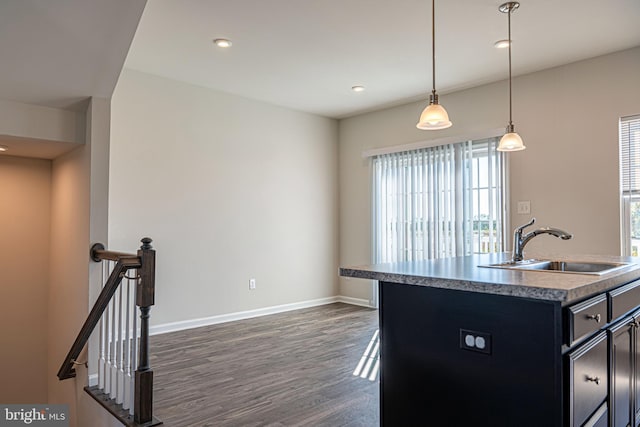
595, 317
593, 379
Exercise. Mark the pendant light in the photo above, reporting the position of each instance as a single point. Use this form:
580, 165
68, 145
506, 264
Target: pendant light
433, 117
511, 141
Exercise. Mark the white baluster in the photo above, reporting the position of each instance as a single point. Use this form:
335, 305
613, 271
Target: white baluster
134, 342
114, 351
120, 343
101, 358
126, 404
107, 330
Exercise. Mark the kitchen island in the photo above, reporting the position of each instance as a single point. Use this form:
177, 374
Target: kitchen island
463, 345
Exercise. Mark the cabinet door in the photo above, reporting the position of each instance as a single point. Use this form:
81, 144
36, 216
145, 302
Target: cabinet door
621, 370
588, 379
600, 418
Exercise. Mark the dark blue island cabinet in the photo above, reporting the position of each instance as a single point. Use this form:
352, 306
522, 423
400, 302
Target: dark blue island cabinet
459, 358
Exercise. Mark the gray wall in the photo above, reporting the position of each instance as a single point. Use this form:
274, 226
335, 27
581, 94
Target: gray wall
229, 189
568, 118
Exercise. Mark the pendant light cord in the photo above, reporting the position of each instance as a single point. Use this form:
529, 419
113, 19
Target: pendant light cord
509, 39
433, 44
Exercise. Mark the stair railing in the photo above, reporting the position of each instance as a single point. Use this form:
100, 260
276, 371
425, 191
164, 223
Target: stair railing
123, 388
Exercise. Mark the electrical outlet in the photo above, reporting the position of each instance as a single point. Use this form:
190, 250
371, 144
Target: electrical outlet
475, 341
524, 207
252, 284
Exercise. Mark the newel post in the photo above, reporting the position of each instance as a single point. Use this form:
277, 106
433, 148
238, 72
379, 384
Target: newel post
143, 399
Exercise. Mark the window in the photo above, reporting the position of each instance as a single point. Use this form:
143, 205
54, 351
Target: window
439, 202
630, 184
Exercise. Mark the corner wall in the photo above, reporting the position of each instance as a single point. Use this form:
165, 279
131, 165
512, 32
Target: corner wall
229, 189
79, 193
568, 118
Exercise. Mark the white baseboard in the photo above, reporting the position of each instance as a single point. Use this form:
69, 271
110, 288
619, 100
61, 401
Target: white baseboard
241, 315
355, 301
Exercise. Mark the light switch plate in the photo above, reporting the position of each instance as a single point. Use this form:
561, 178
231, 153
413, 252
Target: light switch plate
524, 207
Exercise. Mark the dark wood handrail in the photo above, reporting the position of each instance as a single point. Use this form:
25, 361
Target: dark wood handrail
67, 369
99, 253
125, 262
144, 261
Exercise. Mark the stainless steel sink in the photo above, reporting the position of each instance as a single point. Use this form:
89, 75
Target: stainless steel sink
576, 267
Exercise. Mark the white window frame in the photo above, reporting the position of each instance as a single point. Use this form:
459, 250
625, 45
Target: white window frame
629, 151
504, 205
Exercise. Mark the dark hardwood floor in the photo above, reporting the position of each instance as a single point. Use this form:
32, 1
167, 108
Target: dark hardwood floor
289, 369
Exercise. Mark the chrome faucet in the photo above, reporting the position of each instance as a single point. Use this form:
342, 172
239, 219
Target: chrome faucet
519, 241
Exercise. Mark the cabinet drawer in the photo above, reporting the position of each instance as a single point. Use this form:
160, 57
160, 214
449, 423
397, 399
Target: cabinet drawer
586, 317
587, 379
623, 299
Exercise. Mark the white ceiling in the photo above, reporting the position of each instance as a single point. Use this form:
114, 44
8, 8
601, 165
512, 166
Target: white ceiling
307, 54
301, 54
57, 53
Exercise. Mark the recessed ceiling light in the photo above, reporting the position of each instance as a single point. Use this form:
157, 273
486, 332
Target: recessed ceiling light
3, 148
357, 88
222, 42
501, 44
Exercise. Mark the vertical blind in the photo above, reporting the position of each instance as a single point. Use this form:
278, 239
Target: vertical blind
630, 154
630, 184
438, 202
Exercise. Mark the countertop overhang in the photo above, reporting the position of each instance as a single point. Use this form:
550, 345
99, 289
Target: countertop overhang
464, 274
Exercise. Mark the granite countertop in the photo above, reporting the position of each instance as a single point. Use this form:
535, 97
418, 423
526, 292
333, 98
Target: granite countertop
464, 273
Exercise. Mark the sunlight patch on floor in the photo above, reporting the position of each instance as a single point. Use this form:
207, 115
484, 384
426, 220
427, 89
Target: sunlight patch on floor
369, 363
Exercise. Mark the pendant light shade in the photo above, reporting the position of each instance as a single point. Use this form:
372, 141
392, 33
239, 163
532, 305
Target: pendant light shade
511, 141
433, 117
